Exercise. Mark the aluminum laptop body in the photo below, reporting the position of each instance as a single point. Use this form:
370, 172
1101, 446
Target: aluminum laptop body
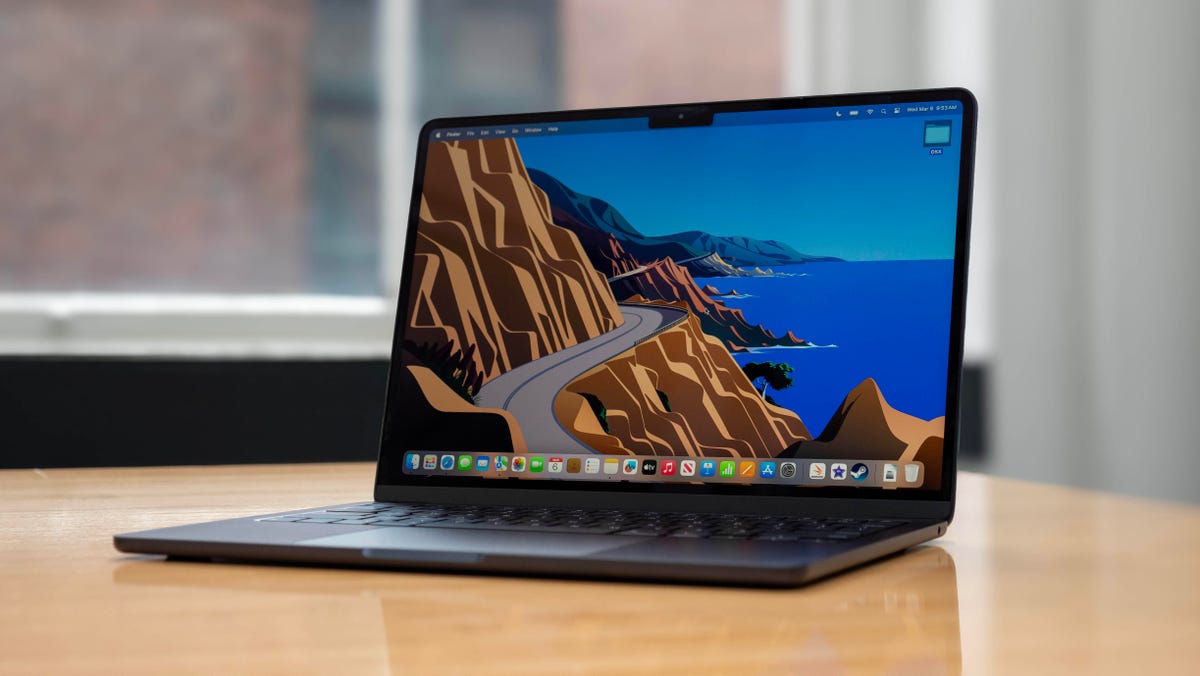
715, 342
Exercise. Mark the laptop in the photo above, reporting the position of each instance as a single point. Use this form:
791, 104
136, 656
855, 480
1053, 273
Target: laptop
715, 342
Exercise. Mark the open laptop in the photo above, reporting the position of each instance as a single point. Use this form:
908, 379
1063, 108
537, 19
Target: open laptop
715, 342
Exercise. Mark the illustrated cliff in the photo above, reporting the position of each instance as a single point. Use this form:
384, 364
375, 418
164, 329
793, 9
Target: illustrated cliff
866, 427
746, 250
437, 418
666, 280
677, 393
498, 282
649, 268
583, 213
703, 253
492, 270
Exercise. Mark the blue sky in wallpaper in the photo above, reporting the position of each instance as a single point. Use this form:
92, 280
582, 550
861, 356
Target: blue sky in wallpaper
859, 190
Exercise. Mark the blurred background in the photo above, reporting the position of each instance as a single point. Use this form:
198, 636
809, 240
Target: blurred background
202, 205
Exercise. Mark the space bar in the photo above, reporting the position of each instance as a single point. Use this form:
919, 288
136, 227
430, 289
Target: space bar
446, 523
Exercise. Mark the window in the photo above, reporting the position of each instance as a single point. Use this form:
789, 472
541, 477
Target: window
190, 176
189, 147
235, 176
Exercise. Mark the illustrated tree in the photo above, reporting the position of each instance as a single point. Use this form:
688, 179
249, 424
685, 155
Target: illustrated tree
455, 367
766, 374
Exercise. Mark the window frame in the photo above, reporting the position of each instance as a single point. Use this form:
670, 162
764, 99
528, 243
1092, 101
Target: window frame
819, 60
249, 325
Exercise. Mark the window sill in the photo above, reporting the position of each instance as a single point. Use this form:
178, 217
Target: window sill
207, 326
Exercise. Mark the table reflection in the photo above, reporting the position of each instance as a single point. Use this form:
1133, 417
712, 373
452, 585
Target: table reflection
897, 616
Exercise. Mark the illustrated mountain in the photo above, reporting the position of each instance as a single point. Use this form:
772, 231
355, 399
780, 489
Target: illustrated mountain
580, 212
541, 319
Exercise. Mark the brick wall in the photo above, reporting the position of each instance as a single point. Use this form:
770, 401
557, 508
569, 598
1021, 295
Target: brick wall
634, 52
153, 145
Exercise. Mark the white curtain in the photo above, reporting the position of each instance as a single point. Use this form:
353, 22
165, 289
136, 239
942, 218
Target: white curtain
1097, 231
1084, 296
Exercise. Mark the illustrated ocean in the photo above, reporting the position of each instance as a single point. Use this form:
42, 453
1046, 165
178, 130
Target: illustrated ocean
887, 320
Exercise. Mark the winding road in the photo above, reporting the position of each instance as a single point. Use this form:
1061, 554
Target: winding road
623, 275
528, 391
644, 268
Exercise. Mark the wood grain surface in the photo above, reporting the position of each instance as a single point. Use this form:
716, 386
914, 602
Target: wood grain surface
1030, 579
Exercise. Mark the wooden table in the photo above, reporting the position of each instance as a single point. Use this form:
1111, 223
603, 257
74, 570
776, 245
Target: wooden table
1030, 578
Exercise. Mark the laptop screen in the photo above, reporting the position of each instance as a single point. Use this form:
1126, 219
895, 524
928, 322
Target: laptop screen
744, 298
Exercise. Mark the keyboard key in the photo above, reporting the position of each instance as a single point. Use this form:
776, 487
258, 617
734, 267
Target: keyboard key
517, 527
578, 520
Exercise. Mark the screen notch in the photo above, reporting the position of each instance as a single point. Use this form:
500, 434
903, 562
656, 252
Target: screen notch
681, 116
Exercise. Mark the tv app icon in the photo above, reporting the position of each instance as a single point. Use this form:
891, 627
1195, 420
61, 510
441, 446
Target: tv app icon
687, 468
649, 466
838, 471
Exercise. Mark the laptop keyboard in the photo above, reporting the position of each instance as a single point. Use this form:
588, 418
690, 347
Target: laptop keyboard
596, 521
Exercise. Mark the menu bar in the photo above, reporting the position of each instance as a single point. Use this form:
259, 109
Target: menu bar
547, 129
875, 111
798, 472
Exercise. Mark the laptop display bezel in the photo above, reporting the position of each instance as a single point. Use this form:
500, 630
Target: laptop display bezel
392, 484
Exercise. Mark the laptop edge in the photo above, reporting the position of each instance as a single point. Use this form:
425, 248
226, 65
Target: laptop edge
738, 562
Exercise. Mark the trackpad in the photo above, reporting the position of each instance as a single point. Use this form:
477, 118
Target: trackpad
377, 542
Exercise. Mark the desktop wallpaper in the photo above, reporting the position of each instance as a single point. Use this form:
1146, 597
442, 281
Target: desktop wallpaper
749, 291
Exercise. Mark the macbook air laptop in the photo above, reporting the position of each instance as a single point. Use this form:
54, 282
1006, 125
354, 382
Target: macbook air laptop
715, 342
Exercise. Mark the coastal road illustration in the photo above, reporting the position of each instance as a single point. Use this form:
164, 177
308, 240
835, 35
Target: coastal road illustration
639, 270
528, 391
